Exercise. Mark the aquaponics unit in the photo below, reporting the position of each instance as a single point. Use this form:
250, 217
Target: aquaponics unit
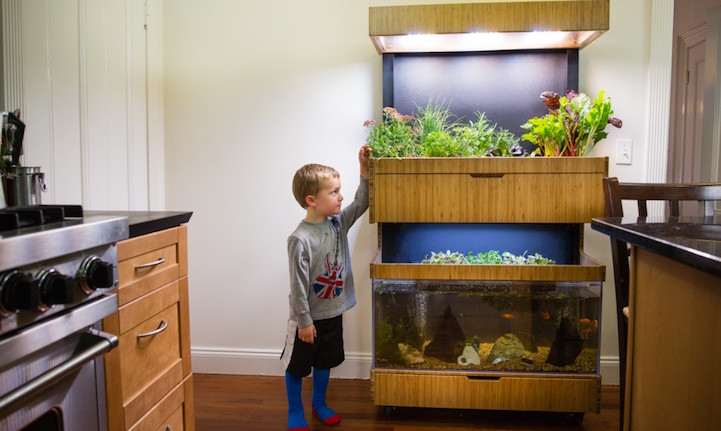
534, 328
469, 336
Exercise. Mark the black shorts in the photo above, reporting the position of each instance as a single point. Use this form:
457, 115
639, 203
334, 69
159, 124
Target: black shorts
325, 353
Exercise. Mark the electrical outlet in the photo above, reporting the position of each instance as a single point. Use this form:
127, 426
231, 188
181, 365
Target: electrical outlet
624, 151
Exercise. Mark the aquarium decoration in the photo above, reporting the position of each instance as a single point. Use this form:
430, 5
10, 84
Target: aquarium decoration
469, 356
567, 344
449, 341
506, 347
491, 257
410, 354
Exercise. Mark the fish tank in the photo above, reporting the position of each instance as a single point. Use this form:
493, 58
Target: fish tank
514, 326
519, 314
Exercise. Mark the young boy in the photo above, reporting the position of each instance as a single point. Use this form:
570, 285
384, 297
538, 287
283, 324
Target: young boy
321, 285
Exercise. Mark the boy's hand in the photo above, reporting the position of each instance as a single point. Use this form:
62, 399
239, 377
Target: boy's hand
363, 157
307, 334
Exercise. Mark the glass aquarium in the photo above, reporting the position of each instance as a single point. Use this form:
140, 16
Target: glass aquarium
498, 326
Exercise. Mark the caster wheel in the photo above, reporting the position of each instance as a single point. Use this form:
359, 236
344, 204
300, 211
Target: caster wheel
388, 410
577, 418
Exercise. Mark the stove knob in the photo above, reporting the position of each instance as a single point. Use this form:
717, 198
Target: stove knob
95, 274
56, 288
19, 292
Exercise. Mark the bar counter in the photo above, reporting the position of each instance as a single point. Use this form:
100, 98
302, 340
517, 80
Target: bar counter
673, 370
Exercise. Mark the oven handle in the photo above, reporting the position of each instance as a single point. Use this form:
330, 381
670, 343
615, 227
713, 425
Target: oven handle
93, 342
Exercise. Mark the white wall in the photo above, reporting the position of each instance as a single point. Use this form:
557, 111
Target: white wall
256, 89
77, 70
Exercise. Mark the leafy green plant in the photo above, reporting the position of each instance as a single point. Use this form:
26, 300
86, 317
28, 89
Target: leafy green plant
574, 124
491, 257
393, 137
434, 118
434, 133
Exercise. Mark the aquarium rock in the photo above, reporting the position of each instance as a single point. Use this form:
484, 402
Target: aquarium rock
529, 341
567, 344
505, 348
410, 354
449, 341
469, 357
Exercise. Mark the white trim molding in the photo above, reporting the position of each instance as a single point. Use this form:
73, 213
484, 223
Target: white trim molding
228, 360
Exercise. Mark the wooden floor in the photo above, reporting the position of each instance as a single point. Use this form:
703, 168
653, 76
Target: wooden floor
258, 403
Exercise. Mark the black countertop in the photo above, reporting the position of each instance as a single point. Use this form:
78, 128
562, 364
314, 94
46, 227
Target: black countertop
690, 240
144, 222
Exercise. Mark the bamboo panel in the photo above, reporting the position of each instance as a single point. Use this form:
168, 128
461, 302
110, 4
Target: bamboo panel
417, 271
487, 190
577, 15
501, 392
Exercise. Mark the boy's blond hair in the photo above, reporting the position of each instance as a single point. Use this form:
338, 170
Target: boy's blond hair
308, 180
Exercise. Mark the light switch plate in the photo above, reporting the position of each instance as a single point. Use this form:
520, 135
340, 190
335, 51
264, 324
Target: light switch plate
624, 151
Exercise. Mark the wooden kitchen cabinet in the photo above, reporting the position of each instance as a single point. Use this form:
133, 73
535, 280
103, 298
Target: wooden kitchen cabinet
148, 377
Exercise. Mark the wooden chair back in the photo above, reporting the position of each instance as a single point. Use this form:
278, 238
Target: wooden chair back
615, 193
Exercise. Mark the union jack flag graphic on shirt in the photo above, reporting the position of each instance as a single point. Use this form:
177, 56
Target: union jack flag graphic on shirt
330, 284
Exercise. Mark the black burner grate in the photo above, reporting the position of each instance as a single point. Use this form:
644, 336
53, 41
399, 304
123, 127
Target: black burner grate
12, 218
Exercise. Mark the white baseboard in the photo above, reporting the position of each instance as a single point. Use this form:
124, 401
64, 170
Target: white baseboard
209, 360
216, 360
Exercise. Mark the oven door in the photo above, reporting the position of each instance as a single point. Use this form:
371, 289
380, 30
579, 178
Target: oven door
52, 375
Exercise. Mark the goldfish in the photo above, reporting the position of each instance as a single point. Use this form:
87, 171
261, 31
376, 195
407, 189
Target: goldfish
588, 327
508, 316
545, 315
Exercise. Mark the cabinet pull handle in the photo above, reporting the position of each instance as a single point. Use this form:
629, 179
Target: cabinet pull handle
162, 327
168, 428
150, 264
487, 175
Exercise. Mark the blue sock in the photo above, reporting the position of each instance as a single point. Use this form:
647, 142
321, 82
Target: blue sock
293, 386
320, 408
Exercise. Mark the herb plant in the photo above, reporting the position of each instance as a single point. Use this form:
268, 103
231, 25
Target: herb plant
434, 132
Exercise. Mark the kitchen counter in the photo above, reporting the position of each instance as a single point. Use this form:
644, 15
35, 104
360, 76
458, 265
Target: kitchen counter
144, 222
694, 241
672, 373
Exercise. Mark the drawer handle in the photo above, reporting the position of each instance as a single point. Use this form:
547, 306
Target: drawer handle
160, 260
487, 175
168, 428
162, 327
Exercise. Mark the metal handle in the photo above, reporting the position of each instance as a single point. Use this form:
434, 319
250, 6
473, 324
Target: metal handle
162, 327
43, 185
150, 264
96, 342
168, 428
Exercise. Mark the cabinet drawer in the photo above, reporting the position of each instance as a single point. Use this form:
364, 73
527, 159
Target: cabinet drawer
487, 190
502, 392
166, 415
146, 358
151, 261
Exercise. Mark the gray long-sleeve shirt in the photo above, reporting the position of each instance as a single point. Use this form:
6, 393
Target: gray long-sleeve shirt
318, 290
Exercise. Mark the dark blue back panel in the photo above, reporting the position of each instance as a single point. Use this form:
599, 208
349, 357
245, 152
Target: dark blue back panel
411, 242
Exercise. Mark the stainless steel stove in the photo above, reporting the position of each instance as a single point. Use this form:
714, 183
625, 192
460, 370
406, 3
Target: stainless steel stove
58, 276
